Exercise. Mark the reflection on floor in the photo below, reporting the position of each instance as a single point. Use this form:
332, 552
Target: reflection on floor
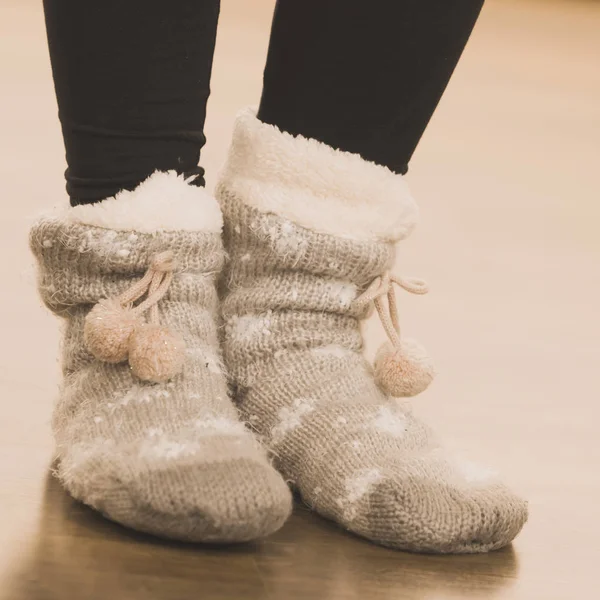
77, 554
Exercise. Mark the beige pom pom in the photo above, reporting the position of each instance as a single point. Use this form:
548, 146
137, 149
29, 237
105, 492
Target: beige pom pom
107, 329
156, 353
403, 372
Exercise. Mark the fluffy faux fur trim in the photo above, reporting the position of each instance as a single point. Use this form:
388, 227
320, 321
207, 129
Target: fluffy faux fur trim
163, 202
314, 185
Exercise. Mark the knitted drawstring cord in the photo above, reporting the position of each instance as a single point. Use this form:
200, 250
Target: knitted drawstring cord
402, 369
384, 286
114, 330
156, 282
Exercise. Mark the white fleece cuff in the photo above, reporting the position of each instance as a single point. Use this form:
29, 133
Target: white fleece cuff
316, 186
163, 202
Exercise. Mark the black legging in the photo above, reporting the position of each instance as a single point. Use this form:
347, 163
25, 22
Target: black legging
132, 80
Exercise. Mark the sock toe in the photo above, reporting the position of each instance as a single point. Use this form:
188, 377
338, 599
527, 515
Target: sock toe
231, 501
436, 517
227, 500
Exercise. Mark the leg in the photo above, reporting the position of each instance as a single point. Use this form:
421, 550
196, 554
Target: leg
132, 81
145, 430
311, 223
363, 77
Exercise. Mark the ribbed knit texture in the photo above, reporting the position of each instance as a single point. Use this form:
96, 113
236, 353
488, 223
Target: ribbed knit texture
171, 459
294, 348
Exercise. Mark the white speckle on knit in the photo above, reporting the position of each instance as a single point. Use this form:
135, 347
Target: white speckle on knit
474, 473
286, 228
290, 417
343, 292
155, 432
245, 258
315, 495
357, 486
253, 418
237, 229
332, 350
208, 357
129, 396
249, 326
110, 404
98, 419
333, 265
144, 394
294, 295
341, 420
286, 238
356, 444
107, 243
47, 243
86, 240
219, 426
169, 449
390, 422
79, 453
144, 397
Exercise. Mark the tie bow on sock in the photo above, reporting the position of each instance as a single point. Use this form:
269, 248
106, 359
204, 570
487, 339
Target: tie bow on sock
402, 366
114, 330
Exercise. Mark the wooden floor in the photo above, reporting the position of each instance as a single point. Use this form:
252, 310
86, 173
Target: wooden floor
507, 178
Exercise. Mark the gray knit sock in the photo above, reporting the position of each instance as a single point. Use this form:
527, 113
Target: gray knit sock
308, 229
167, 458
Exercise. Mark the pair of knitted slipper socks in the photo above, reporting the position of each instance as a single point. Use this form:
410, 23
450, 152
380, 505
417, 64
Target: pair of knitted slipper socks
145, 429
